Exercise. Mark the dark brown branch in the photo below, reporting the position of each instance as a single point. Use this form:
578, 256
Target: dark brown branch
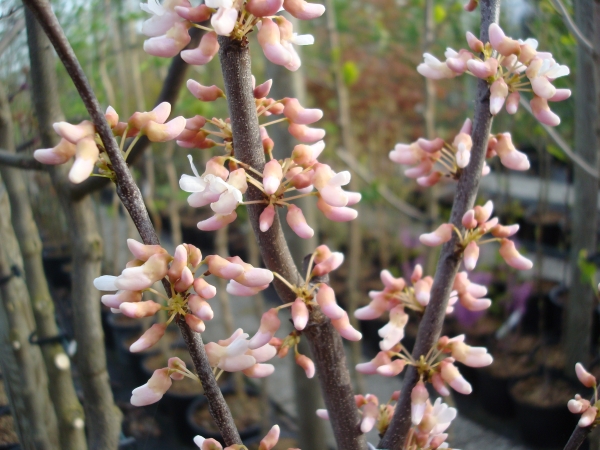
133, 202
170, 91
325, 341
451, 255
20, 161
578, 437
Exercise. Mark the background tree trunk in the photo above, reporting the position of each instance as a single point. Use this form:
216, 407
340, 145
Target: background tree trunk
21, 362
103, 416
69, 411
585, 187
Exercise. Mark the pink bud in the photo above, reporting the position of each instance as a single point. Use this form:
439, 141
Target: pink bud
269, 38
483, 69
560, 95
586, 378
509, 155
269, 324
115, 300
86, 155
150, 337
266, 218
153, 390
439, 386
204, 93
326, 300
178, 264
588, 417
305, 134
140, 309
442, 234
484, 212
474, 44
237, 289
336, 214
512, 102
468, 219
323, 414
299, 314
345, 329
56, 155
303, 10
392, 369
297, 222
418, 398
306, 363
370, 368
143, 252
297, 114
430, 180
74, 133
255, 277
200, 307
262, 90
198, 14
504, 231
272, 175
217, 222
452, 376
501, 43
263, 8
431, 146
224, 20
471, 255
330, 264
512, 257
195, 323
170, 44
498, 94
204, 53
204, 289
542, 112
222, 268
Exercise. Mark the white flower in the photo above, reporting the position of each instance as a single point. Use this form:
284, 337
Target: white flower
163, 18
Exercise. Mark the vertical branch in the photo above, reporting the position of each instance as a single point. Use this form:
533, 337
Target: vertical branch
451, 255
355, 239
69, 411
326, 343
102, 415
132, 200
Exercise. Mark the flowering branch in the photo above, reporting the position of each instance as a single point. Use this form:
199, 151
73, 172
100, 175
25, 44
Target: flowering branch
325, 341
450, 258
133, 202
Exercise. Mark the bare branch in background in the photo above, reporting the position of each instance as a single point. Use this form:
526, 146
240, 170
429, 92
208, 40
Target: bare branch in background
573, 28
20, 161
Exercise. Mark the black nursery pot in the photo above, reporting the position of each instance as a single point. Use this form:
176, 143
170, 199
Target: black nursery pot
193, 428
121, 328
494, 394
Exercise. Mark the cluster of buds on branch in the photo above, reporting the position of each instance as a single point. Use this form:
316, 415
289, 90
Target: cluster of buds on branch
267, 443
579, 405
510, 67
83, 142
429, 421
168, 28
477, 223
436, 159
280, 182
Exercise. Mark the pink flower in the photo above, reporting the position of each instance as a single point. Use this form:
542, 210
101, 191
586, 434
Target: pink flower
393, 332
266, 218
441, 235
509, 156
501, 43
469, 356
153, 390
471, 255
452, 376
230, 355
269, 324
512, 257
329, 184
326, 299
435, 69
272, 175
303, 10
204, 53
299, 314
169, 44
204, 93
150, 337
370, 368
305, 134
140, 309
263, 8
498, 94
297, 114
163, 17
223, 268
336, 214
418, 399
297, 222
346, 330
217, 222
306, 363
586, 378
59, 154
329, 264
542, 112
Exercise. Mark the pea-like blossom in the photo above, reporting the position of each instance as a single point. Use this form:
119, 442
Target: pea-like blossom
579, 405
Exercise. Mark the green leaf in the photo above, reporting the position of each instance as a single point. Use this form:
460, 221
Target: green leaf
557, 152
439, 14
351, 73
587, 269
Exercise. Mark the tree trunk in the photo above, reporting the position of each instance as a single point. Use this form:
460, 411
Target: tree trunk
64, 398
21, 362
103, 417
584, 213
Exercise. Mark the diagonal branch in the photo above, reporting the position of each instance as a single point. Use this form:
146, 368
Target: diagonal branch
20, 161
572, 26
451, 255
325, 341
558, 140
133, 202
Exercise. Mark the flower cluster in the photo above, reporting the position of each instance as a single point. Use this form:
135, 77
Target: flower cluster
82, 141
477, 223
267, 443
429, 421
435, 159
578, 405
189, 295
278, 180
168, 28
510, 67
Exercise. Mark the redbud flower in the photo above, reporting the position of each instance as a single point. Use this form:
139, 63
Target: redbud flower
418, 397
370, 367
346, 330
306, 363
327, 265
297, 114
204, 53
512, 257
435, 69
509, 156
169, 44
452, 376
393, 331
441, 235
392, 369
586, 378
204, 93
326, 299
471, 255
303, 10
272, 175
469, 356
269, 324
299, 314
150, 337
153, 390
230, 355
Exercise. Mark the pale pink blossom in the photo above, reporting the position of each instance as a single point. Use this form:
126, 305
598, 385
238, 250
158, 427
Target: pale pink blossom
303, 10
299, 314
153, 390
509, 156
59, 154
370, 367
204, 93
471, 254
327, 265
392, 369
469, 356
305, 134
346, 330
269, 324
586, 378
393, 332
204, 53
223, 268
326, 299
441, 235
418, 399
217, 222
435, 69
150, 337
336, 214
306, 363
512, 257
588, 417
200, 307
297, 114
140, 309
297, 222
230, 355
272, 175
452, 376
169, 44
542, 112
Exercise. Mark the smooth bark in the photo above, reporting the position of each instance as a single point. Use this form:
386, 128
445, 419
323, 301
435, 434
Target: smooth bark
326, 342
102, 416
451, 254
69, 411
578, 330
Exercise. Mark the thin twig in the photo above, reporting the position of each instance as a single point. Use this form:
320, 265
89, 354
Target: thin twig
558, 140
18, 160
572, 26
133, 202
450, 257
385, 193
